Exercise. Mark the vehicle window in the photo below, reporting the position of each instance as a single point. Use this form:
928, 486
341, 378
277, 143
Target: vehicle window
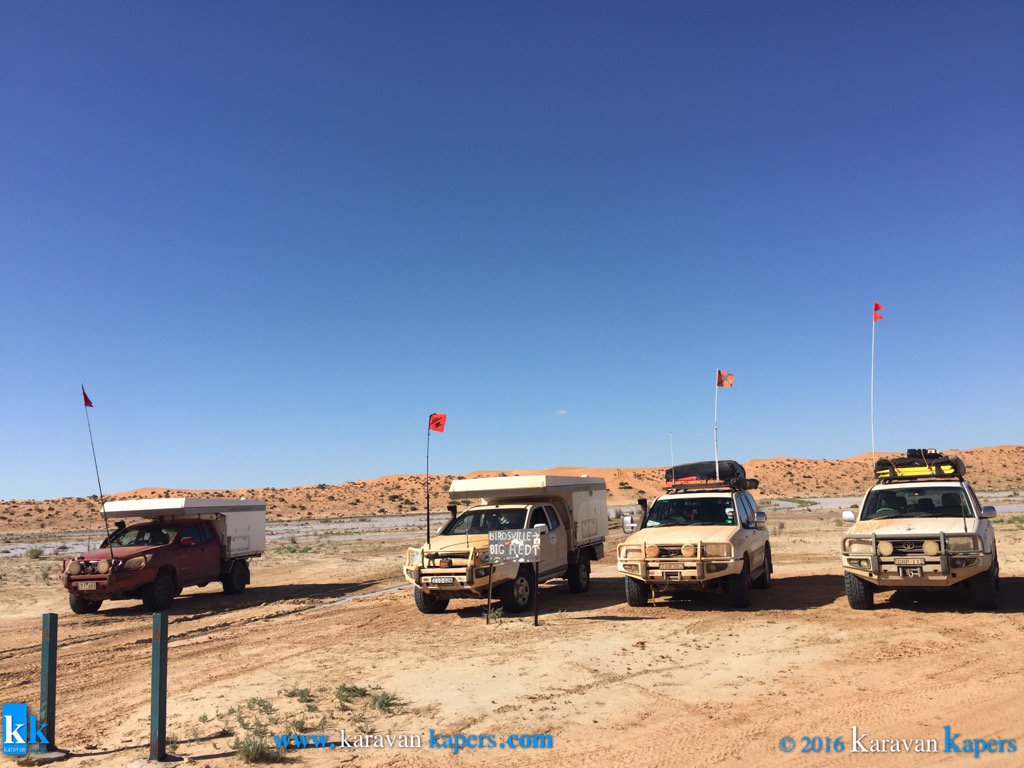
537, 517
974, 498
150, 535
744, 510
189, 530
486, 520
552, 519
205, 534
883, 503
683, 510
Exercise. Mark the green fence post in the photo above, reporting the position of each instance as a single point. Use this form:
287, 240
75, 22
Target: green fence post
48, 681
158, 691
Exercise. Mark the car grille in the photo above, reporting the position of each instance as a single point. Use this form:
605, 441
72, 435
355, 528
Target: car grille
670, 551
907, 546
88, 567
447, 560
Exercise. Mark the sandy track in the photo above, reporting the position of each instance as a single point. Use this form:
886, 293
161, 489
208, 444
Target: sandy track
685, 682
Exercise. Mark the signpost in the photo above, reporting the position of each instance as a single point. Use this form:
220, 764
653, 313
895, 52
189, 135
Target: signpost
517, 546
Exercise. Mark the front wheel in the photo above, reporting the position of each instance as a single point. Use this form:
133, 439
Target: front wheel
516, 595
637, 593
859, 593
579, 575
737, 587
159, 595
80, 605
983, 587
234, 581
429, 603
765, 579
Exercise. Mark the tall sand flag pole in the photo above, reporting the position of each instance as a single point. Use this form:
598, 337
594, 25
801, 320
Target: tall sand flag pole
435, 423
722, 379
86, 405
875, 317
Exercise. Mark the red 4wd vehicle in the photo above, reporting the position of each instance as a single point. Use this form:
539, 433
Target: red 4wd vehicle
185, 542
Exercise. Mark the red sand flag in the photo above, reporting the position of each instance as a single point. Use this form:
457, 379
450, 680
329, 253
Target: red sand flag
437, 422
878, 307
85, 398
725, 379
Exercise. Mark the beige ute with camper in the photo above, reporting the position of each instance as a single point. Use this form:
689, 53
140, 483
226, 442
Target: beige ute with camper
921, 526
705, 532
570, 513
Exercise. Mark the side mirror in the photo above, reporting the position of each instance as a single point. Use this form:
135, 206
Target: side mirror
849, 516
988, 512
642, 501
760, 519
187, 541
541, 527
453, 510
628, 526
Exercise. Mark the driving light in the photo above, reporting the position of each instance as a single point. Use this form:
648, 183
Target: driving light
651, 551
885, 548
103, 566
859, 547
960, 543
718, 550
688, 550
630, 553
930, 548
75, 568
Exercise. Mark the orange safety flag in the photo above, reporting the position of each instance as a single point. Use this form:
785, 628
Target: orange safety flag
876, 314
724, 379
85, 397
437, 422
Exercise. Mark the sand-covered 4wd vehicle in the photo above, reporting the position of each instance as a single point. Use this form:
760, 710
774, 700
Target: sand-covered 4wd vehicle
705, 532
571, 514
180, 543
920, 526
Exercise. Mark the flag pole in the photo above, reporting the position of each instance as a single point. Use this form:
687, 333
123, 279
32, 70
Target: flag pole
873, 324
96, 466
717, 478
428, 482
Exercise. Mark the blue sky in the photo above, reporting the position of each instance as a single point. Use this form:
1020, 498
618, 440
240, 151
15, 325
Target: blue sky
272, 238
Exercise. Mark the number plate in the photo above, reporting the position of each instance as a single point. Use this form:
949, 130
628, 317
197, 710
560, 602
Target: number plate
85, 586
909, 561
442, 580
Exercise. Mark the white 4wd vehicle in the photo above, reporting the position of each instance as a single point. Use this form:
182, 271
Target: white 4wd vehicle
916, 531
698, 536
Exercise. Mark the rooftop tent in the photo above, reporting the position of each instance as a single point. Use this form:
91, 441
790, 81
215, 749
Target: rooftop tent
920, 463
703, 472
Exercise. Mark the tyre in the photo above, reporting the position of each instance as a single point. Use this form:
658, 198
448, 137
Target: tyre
517, 595
579, 575
234, 580
765, 579
983, 587
737, 587
859, 593
80, 605
637, 592
159, 595
429, 603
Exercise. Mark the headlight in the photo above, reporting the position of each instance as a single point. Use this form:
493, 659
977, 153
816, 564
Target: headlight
630, 553
859, 547
417, 557
961, 543
718, 550
688, 550
885, 548
74, 568
930, 548
651, 551
103, 566
136, 563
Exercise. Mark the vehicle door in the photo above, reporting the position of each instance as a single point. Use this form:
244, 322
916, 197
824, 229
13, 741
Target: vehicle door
747, 534
985, 529
188, 554
209, 554
759, 535
548, 539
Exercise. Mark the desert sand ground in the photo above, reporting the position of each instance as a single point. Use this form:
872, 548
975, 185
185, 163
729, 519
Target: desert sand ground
687, 682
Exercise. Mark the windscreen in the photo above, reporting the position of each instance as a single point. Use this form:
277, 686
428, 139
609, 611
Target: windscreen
151, 535
685, 510
486, 520
884, 503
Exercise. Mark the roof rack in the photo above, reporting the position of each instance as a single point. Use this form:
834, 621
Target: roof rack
920, 464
